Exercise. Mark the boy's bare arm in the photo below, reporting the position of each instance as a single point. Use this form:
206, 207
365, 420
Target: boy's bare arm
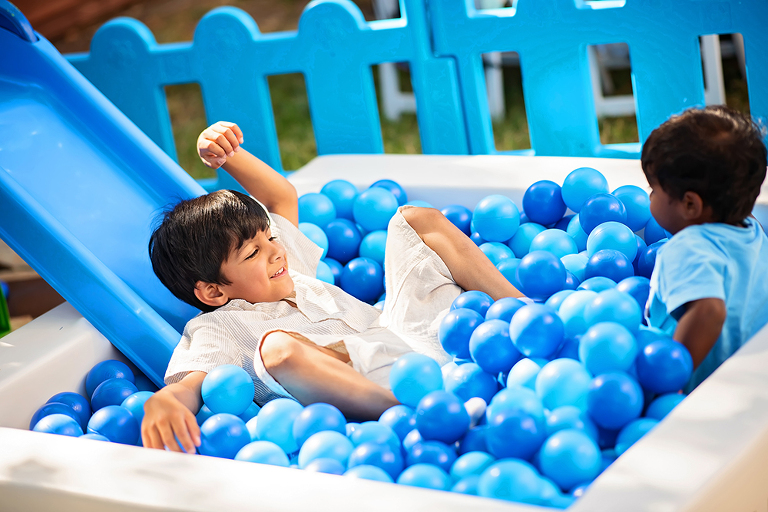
171, 412
219, 146
700, 327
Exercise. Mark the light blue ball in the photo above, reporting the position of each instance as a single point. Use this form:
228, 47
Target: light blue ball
328, 466
612, 235
563, 382
607, 347
557, 299
637, 203
580, 184
504, 309
426, 476
569, 416
135, 404
571, 312
508, 269
395, 188
597, 284
379, 455
316, 418
316, 208
400, 418
520, 243
203, 414
662, 405
570, 457
326, 444
373, 246
576, 264
614, 306
251, 412
413, 376
556, 241
471, 463
609, 263
342, 193
373, 208
577, 233
469, 380
467, 485
496, 218
455, 329
374, 432
325, 273
368, 472
316, 234
436, 453
496, 252
263, 452
510, 480
524, 373
228, 388
536, 330
473, 299
275, 423
61, 424
632, 432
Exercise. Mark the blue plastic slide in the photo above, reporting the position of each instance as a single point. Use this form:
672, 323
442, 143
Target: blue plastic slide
80, 189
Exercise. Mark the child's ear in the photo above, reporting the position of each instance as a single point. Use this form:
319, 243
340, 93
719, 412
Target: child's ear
210, 294
693, 206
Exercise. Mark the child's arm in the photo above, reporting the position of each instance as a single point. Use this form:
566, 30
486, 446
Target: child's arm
219, 146
171, 412
700, 327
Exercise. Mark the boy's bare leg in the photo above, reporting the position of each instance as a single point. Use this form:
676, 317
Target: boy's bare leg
470, 267
316, 374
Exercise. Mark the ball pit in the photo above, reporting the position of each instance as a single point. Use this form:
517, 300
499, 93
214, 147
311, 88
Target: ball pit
561, 380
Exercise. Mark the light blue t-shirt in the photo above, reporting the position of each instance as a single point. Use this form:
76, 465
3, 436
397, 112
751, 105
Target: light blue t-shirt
713, 261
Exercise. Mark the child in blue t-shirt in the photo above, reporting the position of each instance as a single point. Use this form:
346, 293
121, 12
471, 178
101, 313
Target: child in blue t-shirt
709, 288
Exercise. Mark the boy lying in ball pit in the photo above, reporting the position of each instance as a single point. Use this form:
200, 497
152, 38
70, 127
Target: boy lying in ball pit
298, 337
708, 287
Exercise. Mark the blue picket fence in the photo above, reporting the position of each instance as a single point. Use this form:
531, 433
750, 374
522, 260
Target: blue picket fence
443, 42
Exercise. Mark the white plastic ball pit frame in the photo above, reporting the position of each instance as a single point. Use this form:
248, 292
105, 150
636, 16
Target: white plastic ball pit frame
707, 455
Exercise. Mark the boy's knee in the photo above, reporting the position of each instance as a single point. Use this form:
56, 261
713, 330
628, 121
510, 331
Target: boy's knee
279, 350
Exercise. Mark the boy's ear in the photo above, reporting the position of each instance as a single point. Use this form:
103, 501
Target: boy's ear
693, 206
210, 294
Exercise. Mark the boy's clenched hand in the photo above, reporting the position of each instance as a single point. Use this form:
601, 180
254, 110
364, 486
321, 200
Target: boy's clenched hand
219, 142
168, 417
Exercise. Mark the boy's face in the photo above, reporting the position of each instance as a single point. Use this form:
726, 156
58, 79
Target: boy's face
258, 271
665, 209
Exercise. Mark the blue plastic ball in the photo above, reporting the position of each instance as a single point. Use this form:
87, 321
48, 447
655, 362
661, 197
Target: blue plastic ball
521, 242
536, 330
413, 376
612, 235
576, 232
77, 402
510, 480
653, 232
316, 208
275, 423
638, 287
109, 369
373, 208
647, 260
342, 193
571, 282
455, 329
563, 382
135, 404
395, 188
251, 412
601, 208
116, 424
609, 263
343, 240
435, 453
569, 416
469, 380
379, 455
475, 300
562, 224
426, 476
514, 432
54, 408
472, 463
94, 437
540, 274
664, 366
324, 273
504, 309
112, 392
556, 299
475, 237
571, 312
570, 457
607, 347
637, 203
597, 284
581, 184
227, 389
641, 247
662, 405
316, 234
327, 466
336, 269
556, 241
460, 216
496, 252
496, 218
441, 416
543, 202
524, 373
263, 452
363, 279
367, 472
316, 418
400, 418
373, 246
576, 264
223, 435
508, 269
491, 347
614, 306
474, 441
632, 432
614, 400
327, 444
61, 424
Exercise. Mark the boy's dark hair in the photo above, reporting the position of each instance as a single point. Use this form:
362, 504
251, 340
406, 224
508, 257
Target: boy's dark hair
715, 152
197, 235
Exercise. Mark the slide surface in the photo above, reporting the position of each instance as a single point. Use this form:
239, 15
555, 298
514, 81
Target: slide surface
80, 189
